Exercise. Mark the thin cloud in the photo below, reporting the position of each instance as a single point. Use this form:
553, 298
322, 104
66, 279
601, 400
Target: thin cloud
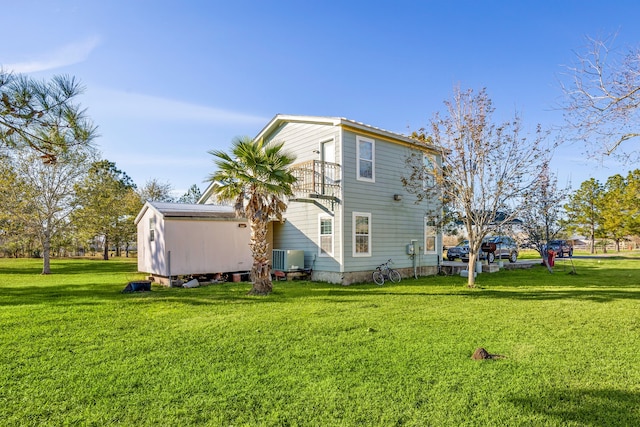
133, 105
174, 162
69, 54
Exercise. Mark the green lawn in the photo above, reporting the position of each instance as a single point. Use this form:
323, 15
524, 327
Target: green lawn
75, 351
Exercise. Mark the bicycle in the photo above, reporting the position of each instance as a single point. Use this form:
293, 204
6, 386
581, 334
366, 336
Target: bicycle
383, 272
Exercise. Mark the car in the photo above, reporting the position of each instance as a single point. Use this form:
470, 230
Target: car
458, 251
505, 248
560, 247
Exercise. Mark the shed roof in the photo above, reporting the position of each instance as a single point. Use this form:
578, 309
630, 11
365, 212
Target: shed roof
187, 210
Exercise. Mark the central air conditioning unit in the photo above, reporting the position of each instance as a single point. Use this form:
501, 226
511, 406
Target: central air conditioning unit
287, 259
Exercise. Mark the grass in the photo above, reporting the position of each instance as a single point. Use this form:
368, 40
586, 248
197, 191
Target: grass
74, 350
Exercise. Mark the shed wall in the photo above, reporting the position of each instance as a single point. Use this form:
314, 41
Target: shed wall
151, 253
206, 246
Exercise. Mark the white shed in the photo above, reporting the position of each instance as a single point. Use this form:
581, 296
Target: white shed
176, 239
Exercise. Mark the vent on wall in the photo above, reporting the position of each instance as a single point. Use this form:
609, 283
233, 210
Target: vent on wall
287, 259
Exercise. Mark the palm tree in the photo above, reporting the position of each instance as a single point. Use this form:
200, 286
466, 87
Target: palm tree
256, 178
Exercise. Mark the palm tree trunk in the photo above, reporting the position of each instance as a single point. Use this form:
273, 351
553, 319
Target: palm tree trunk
260, 271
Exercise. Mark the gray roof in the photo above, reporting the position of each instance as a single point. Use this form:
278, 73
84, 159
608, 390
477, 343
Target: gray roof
340, 121
188, 210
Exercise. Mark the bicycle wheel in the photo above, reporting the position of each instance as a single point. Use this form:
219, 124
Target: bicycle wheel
378, 277
394, 276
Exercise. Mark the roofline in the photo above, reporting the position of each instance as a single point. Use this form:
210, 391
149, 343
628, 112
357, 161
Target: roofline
278, 119
144, 209
208, 192
352, 125
204, 212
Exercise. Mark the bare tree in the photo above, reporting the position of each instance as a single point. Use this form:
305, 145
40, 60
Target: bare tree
486, 170
602, 96
542, 210
156, 191
41, 196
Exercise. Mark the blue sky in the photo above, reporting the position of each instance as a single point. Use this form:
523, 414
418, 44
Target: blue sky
166, 81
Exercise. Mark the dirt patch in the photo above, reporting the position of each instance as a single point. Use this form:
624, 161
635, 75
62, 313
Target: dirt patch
482, 354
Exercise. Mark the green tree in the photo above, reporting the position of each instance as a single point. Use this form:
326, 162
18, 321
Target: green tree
191, 196
632, 202
42, 116
256, 178
583, 210
103, 197
127, 231
41, 196
614, 210
14, 237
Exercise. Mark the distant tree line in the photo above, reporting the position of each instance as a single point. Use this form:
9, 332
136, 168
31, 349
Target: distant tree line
609, 211
58, 196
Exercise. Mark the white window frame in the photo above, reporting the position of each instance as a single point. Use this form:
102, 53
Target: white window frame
429, 177
359, 177
322, 253
430, 232
152, 229
354, 217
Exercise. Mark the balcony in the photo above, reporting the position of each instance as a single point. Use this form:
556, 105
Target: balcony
317, 179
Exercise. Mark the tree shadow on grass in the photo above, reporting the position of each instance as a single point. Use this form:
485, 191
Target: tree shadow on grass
594, 295
73, 266
96, 294
603, 407
86, 294
510, 286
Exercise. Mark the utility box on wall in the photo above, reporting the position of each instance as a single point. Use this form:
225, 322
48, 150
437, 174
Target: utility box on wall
287, 259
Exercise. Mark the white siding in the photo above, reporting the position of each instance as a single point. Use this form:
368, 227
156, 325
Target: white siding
192, 246
151, 254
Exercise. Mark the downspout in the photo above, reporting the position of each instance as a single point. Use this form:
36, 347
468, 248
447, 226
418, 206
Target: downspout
415, 255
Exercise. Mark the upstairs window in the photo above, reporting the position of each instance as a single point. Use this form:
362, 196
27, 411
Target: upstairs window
366, 154
428, 178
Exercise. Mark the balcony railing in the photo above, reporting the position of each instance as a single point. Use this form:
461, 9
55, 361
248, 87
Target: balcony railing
316, 179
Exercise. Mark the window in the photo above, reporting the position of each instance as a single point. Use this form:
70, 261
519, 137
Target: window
366, 153
361, 234
428, 179
430, 236
326, 236
152, 229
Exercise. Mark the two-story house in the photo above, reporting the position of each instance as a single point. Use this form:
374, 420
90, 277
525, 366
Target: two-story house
350, 211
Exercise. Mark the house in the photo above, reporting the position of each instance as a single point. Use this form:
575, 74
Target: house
350, 211
191, 239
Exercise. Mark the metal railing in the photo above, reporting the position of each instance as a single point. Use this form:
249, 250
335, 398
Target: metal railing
316, 177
